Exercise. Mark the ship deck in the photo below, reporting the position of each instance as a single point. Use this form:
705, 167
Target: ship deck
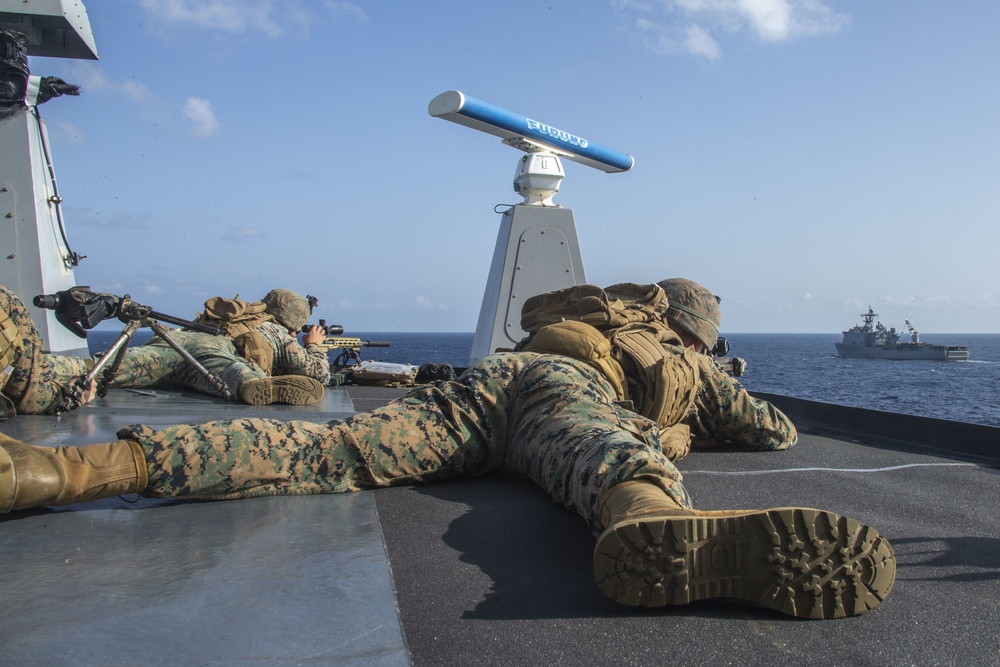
487, 571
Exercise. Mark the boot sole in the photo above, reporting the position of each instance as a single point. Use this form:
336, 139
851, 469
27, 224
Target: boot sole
287, 389
8, 478
803, 562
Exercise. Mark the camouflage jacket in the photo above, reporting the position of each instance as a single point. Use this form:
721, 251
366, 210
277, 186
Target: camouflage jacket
725, 412
290, 358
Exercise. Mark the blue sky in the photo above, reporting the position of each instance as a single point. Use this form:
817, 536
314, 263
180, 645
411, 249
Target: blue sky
802, 159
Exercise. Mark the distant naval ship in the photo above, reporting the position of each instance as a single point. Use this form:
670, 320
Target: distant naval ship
872, 340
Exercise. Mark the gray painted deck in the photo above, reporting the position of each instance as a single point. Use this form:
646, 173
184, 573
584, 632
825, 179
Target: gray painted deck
486, 571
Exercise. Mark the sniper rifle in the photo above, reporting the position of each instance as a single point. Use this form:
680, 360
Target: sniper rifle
735, 366
349, 347
79, 309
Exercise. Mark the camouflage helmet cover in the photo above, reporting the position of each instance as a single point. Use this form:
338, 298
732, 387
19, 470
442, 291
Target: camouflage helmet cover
693, 309
290, 308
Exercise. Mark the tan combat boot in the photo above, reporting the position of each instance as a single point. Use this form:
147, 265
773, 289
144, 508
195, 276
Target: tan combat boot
39, 476
804, 562
290, 389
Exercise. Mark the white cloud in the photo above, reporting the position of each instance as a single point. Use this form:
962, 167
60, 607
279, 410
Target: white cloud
695, 26
91, 78
266, 17
345, 8
424, 302
699, 42
243, 234
770, 19
69, 132
200, 112
638, 5
120, 221
655, 38
137, 92
152, 289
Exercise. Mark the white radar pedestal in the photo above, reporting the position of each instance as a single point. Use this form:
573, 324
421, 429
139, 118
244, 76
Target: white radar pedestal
537, 251
537, 247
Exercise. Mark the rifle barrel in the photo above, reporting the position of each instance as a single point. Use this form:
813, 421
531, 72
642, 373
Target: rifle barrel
188, 324
334, 342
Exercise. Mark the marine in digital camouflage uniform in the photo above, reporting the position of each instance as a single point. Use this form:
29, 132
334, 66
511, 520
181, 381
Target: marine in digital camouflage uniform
723, 411
297, 374
550, 417
31, 380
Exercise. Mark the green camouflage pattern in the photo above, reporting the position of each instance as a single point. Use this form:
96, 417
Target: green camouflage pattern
547, 417
723, 411
34, 385
157, 365
288, 307
693, 309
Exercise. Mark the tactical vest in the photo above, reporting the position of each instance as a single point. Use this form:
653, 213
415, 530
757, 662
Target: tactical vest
621, 332
239, 320
10, 342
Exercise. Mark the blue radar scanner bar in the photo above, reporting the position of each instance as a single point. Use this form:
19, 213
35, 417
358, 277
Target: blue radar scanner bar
525, 134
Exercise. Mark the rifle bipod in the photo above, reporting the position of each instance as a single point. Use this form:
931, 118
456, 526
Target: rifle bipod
106, 367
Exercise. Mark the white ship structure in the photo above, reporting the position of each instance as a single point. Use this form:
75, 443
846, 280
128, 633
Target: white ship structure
872, 340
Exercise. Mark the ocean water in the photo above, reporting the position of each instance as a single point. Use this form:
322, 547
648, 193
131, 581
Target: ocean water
808, 366
800, 365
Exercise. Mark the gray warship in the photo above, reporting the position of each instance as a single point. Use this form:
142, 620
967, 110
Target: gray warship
486, 571
872, 340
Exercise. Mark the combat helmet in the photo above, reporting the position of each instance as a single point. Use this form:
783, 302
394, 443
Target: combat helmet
291, 309
692, 309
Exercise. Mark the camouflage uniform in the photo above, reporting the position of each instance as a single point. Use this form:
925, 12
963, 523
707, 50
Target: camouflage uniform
156, 364
548, 417
552, 418
35, 380
724, 411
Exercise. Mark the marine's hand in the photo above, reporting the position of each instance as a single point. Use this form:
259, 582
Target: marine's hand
91, 393
76, 393
314, 336
53, 86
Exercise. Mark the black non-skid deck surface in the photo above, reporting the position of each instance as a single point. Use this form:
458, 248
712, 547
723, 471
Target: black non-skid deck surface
486, 571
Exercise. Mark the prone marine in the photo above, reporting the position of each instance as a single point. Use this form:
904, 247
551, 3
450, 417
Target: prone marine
596, 418
259, 360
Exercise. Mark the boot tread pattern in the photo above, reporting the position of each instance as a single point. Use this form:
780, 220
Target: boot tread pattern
286, 389
802, 562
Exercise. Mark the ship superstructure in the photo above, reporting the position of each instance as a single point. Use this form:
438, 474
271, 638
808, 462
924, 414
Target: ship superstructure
872, 340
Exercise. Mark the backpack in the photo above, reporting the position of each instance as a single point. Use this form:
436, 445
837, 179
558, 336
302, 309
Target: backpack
621, 331
603, 309
239, 320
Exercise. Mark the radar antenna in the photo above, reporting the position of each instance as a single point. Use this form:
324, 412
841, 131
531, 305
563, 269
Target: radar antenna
537, 249
868, 318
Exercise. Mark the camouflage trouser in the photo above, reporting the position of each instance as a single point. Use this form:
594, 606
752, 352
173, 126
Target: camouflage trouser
34, 384
547, 417
157, 365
